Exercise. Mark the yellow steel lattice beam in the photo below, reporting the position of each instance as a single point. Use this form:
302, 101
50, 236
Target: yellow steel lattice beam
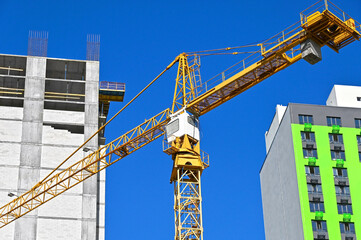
277, 53
90, 165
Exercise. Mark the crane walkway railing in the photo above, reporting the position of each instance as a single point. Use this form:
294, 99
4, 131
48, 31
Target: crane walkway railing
277, 53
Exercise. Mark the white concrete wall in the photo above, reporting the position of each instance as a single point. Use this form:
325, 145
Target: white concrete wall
344, 96
270, 134
58, 229
63, 116
61, 137
52, 156
9, 153
29, 150
63, 206
7, 233
7, 112
7, 178
10, 130
101, 205
10, 143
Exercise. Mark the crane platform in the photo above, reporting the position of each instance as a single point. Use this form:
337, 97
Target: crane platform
110, 91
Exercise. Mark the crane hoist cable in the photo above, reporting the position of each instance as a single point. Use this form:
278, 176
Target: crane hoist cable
111, 119
221, 49
227, 53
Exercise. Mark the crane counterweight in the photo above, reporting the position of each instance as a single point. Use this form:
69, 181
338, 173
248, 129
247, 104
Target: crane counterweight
311, 51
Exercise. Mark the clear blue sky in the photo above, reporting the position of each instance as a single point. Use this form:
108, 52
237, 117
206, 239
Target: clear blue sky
138, 40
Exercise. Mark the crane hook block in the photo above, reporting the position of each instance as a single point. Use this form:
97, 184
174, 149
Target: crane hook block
311, 51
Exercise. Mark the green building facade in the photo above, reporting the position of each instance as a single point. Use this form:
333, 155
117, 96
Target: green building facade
330, 182
311, 177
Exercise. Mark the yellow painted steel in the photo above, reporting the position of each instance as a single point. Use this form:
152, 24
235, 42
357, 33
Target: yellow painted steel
85, 168
12, 69
188, 205
186, 84
277, 53
188, 164
185, 152
278, 56
114, 98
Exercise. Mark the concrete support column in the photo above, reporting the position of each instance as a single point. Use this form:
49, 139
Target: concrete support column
31, 140
90, 186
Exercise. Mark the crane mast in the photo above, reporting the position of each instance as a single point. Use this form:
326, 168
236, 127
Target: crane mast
318, 27
183, 144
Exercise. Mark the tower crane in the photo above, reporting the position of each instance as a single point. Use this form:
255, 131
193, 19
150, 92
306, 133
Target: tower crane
323, 24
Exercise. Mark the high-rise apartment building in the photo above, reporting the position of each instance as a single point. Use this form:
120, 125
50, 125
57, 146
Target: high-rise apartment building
311, 177
49, 107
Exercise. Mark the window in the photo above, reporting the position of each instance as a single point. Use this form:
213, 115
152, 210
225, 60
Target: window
359, 156
305, 119
312, 170
314, 188
337, 154
340, 172
347, 227
317, 206
335, 138
344, 208
358, 139
308, 136
358, 99
333, 121
319, 226
309, 152
357, 122
193, 121
342, 190
172, 127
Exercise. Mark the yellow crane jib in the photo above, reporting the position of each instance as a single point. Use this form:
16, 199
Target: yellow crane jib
323, 24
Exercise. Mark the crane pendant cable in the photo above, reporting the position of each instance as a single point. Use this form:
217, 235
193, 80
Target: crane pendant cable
114, 116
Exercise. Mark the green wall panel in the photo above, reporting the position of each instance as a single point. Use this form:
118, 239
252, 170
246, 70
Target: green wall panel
326, 165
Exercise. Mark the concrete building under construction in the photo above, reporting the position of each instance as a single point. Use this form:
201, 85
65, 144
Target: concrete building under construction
48, 107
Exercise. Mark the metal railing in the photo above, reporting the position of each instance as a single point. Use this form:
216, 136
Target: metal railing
203, 154
104, 85
323, 5
344, 194
257, 52
308, 140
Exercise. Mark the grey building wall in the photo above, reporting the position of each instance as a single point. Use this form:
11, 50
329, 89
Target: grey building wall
280, 194
39, 134
31, 140
320, 114
90, 186
280, 197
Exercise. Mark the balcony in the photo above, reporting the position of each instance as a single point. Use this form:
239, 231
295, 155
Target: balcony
111, 91
337, 146
341, 181
312, 178
315, 197
343, 198
309, 144
320, 234
348, 236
